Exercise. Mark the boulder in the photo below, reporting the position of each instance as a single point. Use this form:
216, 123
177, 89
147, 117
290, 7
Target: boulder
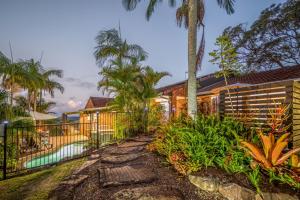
275, 196
233, 191
204, 183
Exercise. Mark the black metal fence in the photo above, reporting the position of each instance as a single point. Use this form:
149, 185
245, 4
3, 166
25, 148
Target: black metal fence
28, 148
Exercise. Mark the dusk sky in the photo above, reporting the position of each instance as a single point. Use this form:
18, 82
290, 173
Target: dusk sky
65, 31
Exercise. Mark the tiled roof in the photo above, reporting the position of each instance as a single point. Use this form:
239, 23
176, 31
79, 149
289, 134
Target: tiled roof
209, 82
98, 102
259, 77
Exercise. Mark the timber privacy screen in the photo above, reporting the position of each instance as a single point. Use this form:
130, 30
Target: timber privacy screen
24, 149
255, 103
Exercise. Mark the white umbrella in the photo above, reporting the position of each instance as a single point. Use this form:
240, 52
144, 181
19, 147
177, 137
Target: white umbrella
41, 116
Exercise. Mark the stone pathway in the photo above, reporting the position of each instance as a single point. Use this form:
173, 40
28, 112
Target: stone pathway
127, 171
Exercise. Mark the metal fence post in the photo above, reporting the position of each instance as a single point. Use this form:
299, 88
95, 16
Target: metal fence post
4, 149
97, 128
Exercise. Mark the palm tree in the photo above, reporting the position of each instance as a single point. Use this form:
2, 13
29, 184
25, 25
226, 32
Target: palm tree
40, 81
191, 12
50, 85
111, 47
35, 82
12, 75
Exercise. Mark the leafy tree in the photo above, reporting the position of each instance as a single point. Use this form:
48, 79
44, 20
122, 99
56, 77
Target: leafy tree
111, 47
12, 75
190, 13
226, 58
8, 112
43, 106
272, 41
40, 82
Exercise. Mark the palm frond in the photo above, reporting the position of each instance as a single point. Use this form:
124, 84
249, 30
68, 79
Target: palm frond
227, 5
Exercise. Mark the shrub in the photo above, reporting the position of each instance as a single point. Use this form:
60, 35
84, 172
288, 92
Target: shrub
205, 142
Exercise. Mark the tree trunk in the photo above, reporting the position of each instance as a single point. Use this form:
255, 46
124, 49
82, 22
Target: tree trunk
230, 99
192, 46
28, 99
34, 100
11, 95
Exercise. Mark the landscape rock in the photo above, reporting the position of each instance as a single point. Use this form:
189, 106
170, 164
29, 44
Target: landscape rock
118, 159
275, 196
94, 156
233, 191
148, 193
204, 183
85, 165
75, 180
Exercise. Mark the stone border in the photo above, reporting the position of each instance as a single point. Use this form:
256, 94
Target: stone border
233, 191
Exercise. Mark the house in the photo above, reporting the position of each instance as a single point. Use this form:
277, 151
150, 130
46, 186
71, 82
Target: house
253, 95
88, 120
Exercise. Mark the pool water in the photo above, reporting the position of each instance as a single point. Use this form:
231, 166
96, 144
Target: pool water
63, 152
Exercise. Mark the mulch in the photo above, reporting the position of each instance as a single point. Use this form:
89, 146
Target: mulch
166, 182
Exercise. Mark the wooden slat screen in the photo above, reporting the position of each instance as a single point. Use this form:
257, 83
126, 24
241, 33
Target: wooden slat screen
254, 103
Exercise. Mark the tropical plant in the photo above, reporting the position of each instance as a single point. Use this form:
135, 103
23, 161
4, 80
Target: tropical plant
12, 74
272, 154
203, 142
110, 47
40, 82
132, 84
191, 14
8, 112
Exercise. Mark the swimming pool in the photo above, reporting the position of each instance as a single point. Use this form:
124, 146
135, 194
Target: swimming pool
66, 151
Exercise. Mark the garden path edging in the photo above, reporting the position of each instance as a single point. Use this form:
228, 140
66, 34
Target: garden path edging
233, 191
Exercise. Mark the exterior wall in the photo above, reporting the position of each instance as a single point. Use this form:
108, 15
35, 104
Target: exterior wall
106, 120
296, 113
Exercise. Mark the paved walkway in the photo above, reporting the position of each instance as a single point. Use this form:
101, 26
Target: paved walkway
127, 172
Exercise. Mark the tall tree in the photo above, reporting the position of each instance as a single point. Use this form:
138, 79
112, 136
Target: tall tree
40, 81
226, 58
12, 75
192, 13
272, 41
110, 47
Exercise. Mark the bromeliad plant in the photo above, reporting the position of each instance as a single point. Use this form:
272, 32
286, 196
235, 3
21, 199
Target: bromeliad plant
271, 155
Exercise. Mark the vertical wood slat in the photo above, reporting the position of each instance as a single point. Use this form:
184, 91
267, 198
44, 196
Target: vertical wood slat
252, 99
295, 114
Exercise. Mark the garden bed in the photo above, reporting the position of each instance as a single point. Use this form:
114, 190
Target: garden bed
242, 180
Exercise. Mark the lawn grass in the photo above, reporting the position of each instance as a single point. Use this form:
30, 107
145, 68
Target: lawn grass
37, 185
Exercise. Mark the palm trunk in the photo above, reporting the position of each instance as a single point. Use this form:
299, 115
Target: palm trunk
28, 99
11, 95
192, 42
34, 100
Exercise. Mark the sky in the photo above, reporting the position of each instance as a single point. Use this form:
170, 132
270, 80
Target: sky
64, 31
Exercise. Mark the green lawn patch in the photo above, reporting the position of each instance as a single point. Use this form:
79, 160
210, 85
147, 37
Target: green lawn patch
37, 185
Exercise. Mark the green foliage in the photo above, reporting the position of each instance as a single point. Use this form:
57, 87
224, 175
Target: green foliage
207, 141
283, 178
255, 178
271, 41
190, 145
156, 116
225, 57
132, 84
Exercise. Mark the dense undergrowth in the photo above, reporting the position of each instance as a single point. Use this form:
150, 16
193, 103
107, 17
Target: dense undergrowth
190, 145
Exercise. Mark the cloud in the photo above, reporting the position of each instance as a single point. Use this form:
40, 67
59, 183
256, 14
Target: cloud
79, 83
74, 104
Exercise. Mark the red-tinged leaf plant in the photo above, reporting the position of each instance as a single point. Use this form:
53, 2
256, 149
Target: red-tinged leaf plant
273, 154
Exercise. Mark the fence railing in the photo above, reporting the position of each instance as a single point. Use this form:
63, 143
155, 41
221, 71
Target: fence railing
28, 148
